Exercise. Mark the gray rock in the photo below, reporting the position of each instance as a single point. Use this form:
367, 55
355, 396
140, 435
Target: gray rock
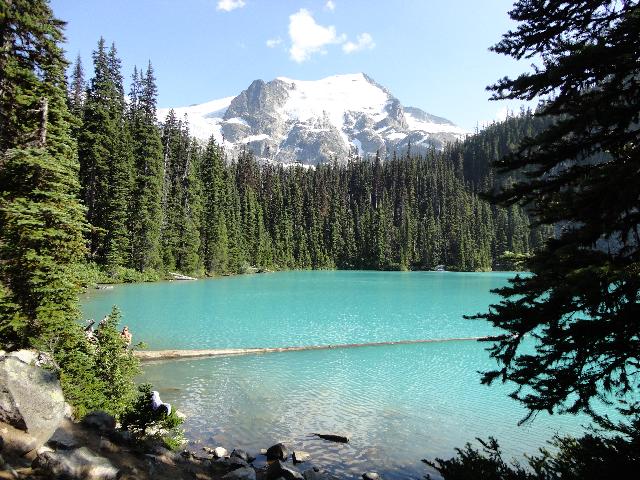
220, 452
299, 456
17, 442
107, 445
31, 401
371, 476
243, 473
239, 453
226, 464
278, 469
62, 440
100, 421
80, 463
278, 451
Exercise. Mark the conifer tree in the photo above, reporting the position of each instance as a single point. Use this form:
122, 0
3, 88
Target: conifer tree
106, 161
580, 307
77, 88
146, 201
41, 220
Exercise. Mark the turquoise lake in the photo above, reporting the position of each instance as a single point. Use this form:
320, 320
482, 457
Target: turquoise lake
398, 403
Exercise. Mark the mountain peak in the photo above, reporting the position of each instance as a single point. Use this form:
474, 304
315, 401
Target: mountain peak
312, 121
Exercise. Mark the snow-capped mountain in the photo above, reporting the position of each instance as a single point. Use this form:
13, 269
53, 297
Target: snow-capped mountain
288, 120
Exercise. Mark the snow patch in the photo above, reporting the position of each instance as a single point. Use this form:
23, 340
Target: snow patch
430, 127
396, 136
255, 138
204, 119
237, 120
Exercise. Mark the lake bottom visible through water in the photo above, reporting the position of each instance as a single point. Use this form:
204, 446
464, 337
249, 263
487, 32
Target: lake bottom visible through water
398, 404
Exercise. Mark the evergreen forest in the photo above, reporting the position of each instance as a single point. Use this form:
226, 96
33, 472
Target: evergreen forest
158, 200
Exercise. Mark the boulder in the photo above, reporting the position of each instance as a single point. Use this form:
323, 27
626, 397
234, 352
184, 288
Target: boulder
220, 452
371, 476
31, 402
244, 473
239, 453
299, 456
80, 463
107, 445
278, 451
17, 442
278, 469
227, 464
100, 421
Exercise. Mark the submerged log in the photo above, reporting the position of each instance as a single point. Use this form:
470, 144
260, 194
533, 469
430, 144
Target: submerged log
332, 438
151, 355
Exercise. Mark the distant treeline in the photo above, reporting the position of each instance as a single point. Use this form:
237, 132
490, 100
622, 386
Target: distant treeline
158, 200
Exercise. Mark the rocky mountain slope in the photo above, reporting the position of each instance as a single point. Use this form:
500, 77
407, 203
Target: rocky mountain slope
310, 122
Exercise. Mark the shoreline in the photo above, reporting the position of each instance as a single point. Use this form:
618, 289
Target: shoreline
178, 354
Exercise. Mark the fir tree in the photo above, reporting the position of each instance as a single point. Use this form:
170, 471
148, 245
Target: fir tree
41, 220
580, 306
146, 201
106, 161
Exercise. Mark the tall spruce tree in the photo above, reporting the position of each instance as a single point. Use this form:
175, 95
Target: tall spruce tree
106, 161
146, 201
41, 219
77, 89
181, 198
573, 324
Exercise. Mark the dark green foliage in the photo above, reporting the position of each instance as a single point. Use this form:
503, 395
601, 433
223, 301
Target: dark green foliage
141, 420
181, 198
98, 372
41, 220
116, 365
146, 203
581, 305
106, 171
405, 213
591, 457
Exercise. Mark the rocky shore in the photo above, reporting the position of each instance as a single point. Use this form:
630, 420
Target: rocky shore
39, 438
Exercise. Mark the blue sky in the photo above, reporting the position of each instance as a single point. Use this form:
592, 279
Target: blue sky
429, 53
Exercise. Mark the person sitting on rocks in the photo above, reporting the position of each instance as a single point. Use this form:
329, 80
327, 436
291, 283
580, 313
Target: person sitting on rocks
158, 405
88, 330
126, 335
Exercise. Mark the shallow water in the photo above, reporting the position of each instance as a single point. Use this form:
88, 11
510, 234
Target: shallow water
397, 403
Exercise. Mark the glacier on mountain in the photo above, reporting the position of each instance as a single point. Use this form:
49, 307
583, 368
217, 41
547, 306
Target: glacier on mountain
310, 122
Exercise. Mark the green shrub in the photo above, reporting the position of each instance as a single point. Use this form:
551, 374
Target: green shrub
97, 373
90, 274
145, 422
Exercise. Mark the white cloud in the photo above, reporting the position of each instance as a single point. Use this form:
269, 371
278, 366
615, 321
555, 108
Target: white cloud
274, 42
308, 37
364, 42
228, 5
330, 5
